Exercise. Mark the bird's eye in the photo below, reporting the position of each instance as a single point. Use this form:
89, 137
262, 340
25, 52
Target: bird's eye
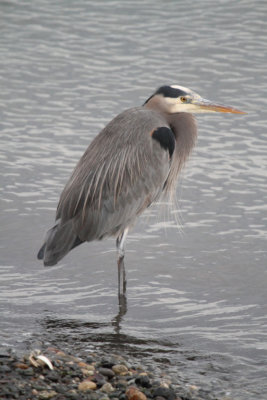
183, 99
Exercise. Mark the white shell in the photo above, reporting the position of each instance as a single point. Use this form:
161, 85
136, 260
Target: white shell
45, 360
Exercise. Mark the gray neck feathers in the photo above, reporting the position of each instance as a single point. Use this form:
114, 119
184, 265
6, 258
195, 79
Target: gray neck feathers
184, 128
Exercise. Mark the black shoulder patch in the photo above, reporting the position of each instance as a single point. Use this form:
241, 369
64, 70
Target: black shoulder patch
165, 137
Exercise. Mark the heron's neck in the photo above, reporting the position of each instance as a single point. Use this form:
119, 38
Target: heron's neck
182, 124
184, 128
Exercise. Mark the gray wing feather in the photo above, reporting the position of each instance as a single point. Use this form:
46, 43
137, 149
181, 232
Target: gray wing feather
119, 175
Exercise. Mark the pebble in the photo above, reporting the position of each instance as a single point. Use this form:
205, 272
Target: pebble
21, 365
4, 368
86, 366
107, 388
194, 388
122, 383
107, 372
168, 394
99, 379
87, 385
143, 380
120, 369
28, 372
94, 378
87, 372
107, 363
134, 394
46, 394
52, 376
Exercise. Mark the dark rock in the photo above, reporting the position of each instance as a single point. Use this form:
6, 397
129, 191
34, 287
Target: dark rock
115, 395
89, 360
106, 372
108, 362
61, 389
94, 396
168, 394
122, 384
27, 372
38, 386
4, 368
144, 381
52, 376
99, 379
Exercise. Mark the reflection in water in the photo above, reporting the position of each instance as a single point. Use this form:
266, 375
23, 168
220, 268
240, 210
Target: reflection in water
93, 336
117, 320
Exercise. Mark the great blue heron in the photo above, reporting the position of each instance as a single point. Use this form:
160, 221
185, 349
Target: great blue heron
133, 161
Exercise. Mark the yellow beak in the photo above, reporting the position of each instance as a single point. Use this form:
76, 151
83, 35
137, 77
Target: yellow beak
207, 105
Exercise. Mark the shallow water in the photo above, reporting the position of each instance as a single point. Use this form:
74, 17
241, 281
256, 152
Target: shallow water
196, 296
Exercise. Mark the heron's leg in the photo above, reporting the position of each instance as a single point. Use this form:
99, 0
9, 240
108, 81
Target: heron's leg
121, 282
120, 243
121, 269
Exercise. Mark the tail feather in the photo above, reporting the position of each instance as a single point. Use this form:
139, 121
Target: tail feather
58, 242
40, 254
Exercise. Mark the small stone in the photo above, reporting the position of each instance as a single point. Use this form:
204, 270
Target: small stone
107, 372
61, 354
143, 380
168, 394
107, 363
99, 379
4, 368
21, 365
87, 372
52, 349
27, 372
47, 394
82, 364
89, 359
134, 394
34, 392
87, 385
52, 376
164, 385
74, 394
122, 383
107, 388
194, 388
70, 363
120, 369
93, 396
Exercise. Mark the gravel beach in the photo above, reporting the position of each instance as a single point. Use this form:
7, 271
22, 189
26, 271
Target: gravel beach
53, 374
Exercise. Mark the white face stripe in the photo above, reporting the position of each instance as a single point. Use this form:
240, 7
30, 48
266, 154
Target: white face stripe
185, 89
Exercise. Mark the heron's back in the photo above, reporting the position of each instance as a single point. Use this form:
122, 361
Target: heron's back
120, 174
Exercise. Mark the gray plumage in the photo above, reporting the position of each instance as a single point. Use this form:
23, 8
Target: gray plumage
123, 171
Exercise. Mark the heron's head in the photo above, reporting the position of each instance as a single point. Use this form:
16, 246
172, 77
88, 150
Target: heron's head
175, 99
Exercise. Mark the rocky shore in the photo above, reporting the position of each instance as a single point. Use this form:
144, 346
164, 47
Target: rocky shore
53, 374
